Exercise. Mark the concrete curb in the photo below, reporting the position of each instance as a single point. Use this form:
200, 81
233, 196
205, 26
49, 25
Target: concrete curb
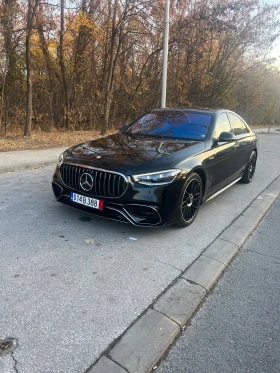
144, 343
27, 166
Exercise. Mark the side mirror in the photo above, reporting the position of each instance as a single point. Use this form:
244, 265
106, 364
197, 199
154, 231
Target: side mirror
226, 137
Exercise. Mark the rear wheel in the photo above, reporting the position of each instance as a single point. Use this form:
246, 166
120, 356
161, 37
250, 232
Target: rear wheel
250, 169
189, 201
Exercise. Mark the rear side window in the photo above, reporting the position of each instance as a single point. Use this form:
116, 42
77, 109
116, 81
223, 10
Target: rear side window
222, 125
238, 126
246, 128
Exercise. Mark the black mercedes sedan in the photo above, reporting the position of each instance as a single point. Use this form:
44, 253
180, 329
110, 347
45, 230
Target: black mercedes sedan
158, 169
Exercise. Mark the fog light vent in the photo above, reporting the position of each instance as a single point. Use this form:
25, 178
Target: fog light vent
143, 214
57, 189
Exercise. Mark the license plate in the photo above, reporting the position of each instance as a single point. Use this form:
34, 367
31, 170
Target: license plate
86, 201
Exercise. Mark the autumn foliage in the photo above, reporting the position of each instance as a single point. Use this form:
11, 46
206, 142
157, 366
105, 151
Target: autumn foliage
97, 64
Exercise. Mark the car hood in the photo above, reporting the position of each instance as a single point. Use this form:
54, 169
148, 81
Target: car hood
129, 154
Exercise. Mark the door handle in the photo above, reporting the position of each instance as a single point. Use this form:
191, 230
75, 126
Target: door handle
212, 157
235, 147
249, 142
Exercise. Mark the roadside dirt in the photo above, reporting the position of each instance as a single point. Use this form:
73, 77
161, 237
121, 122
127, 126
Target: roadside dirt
41, 140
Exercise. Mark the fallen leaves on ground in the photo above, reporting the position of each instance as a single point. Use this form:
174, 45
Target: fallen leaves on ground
41, 140
89, 240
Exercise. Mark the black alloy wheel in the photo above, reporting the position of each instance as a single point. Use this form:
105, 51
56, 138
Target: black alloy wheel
189, 201
250, 169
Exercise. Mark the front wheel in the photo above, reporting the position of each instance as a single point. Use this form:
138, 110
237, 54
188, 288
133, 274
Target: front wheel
250, 169
189, 201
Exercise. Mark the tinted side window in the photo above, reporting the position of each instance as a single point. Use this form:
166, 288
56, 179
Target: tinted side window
245, 127
222, 125
238, 127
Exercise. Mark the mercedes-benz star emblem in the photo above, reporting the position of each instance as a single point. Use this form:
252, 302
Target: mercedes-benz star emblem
86, 182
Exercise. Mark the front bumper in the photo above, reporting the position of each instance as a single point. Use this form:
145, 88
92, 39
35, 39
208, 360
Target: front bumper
140, 205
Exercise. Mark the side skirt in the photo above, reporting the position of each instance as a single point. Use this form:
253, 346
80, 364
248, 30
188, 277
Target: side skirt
223, 189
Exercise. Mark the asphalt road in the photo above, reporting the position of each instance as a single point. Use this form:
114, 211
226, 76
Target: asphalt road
237, 329
69, 286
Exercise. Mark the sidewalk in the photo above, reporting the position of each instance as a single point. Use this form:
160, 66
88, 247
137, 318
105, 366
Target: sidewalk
26, 159
273, 130
237, 329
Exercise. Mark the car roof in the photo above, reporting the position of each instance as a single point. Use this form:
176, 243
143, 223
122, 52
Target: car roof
188, 110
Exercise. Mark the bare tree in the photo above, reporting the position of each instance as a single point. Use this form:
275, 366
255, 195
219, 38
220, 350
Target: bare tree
62, 65
9, 57
32, 6
109, 82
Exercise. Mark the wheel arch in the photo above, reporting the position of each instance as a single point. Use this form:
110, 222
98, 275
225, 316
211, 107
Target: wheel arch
202, 175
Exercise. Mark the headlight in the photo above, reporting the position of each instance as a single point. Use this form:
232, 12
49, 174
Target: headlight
156, 178
60, 159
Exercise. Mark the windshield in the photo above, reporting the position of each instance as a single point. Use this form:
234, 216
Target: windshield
172, 124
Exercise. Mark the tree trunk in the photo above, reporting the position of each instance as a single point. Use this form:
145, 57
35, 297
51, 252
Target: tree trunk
52, 73
2, 99
109, 83
9, 69
62, 65
30, 17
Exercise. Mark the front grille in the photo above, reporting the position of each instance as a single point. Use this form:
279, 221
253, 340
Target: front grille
105, 183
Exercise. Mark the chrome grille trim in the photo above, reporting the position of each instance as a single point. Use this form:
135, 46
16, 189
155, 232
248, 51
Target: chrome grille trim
107, 183
100, 182
104, 184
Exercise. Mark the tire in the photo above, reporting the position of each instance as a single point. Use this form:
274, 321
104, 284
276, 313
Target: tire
250, 169
189, 201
